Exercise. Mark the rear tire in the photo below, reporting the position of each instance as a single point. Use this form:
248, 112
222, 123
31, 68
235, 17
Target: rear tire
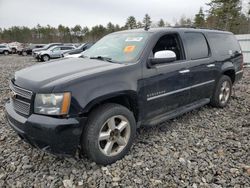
222, 93
109, 133
24, 53
6, 52
45, 58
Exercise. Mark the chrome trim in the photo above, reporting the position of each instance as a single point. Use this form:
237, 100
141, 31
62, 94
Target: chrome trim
184, 71
20, 91
180, 90
21, 106
211, 65
239, 72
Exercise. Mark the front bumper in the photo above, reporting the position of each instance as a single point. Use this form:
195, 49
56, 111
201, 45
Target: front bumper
57, 136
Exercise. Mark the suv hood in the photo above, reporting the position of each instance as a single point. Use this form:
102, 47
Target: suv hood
45, 76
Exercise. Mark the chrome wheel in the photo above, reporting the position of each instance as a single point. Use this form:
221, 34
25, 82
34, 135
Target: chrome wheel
114, 135
6, 53
225, 92
45, 58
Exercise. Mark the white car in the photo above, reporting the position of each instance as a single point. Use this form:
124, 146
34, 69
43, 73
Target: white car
4, 49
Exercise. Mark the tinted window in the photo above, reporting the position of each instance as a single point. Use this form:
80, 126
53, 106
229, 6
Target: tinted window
169, 42
66, 48
223, 44
1, 46
196, 45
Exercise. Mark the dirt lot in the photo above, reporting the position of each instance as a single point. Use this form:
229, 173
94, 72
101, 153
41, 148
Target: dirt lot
205, 148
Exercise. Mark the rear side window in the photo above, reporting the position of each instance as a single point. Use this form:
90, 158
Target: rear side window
66, 48
197, 46
223, 44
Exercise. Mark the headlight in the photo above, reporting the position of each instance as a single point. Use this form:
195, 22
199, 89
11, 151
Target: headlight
52, 104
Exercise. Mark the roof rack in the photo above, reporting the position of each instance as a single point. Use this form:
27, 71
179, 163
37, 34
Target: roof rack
185, 26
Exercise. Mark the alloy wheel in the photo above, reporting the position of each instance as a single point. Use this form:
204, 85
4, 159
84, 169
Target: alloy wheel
114, 135
225, 92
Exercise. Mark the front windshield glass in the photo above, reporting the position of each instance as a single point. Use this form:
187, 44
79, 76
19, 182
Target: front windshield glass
80, 47
119, 47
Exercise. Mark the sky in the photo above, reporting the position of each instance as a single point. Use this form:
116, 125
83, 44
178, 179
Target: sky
92, 12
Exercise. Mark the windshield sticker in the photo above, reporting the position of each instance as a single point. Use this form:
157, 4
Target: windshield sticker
134, 39
129, 49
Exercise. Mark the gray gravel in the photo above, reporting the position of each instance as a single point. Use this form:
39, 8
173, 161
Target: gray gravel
205, 148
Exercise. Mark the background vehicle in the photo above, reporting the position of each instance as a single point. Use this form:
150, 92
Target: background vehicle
54, 52
4, 49
79, 49
14, 46
35, 52
28, 50
126, 80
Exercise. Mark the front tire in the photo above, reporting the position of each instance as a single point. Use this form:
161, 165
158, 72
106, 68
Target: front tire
222, 93
109, 133
6, 52
45, 58
24, 53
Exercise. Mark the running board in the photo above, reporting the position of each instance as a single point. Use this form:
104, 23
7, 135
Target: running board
175, 113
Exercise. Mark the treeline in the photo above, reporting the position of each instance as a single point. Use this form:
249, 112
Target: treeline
222, 14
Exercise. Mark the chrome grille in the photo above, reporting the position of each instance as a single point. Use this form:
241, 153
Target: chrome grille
20, 91
21, 106
21, 99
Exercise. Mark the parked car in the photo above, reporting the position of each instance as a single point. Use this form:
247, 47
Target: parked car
126, 80
79, 49
14, 46
28, 50
35, 52
54, 52
4, 49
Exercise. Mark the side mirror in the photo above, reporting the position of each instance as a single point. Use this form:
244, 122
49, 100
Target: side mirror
165, 56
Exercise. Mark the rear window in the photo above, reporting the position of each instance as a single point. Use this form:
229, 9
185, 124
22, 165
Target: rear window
196, 45
223, 44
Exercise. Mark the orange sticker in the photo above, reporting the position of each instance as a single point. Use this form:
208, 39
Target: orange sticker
129, 49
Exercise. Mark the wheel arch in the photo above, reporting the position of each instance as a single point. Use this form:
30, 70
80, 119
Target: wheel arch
229, 70
125, 98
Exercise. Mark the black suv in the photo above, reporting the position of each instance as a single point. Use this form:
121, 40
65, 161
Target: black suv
126, 80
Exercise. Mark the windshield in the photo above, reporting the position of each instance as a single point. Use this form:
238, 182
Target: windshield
119, 47
80, 47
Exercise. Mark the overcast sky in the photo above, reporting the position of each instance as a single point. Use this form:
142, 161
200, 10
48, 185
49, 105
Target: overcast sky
92, 12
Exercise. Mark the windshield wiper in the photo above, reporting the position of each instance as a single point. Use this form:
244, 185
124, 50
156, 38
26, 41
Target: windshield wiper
102, 58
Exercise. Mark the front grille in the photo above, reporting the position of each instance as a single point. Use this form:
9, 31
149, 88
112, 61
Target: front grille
21, 99
21, 106
20, 91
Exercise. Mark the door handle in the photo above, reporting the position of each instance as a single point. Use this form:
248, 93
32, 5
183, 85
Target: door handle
211, 65
184, 71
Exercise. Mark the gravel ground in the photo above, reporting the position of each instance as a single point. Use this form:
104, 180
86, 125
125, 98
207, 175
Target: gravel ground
204, 148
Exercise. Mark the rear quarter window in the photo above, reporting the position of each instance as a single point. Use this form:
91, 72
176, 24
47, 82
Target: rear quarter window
223, 44
197, 46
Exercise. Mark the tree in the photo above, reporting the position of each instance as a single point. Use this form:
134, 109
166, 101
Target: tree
161, 23
199, 20
147, 22
139, 24
131, 23
110, 27
184, 22
225, 14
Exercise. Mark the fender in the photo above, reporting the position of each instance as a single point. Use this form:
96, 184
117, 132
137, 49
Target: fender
228, 65
131, 95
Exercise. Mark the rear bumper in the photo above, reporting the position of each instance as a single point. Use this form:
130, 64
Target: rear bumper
57, 136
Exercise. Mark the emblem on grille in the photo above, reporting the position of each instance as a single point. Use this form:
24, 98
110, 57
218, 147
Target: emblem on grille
13, 94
